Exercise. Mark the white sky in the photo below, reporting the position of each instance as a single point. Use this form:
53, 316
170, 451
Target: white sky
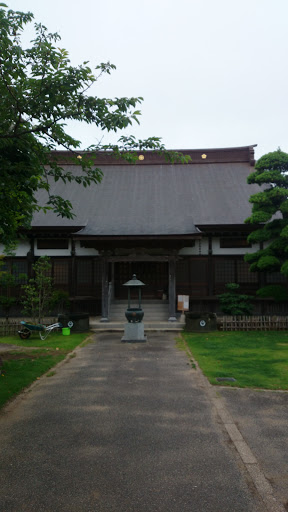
213, 73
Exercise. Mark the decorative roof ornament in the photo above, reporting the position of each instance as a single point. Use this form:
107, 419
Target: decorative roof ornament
134, 282
203, 156
141, 157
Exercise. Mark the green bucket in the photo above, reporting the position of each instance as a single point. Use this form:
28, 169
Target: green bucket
66, 331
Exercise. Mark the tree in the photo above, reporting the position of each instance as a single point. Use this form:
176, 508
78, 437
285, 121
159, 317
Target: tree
270, 212
40, 91
38, 293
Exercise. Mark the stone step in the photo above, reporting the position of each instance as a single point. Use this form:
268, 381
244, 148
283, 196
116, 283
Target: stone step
148, 307
149, 326
143, 302
144, 306
156, 311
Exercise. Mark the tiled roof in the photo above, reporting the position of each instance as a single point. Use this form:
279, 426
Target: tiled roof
156, 199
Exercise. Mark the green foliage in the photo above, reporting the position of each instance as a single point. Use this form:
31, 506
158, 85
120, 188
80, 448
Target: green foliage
40, 91
278, 292
233, 303
37, 294
270, 208
60, 300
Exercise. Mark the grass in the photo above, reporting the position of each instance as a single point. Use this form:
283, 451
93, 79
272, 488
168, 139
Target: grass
20, 369
254, 359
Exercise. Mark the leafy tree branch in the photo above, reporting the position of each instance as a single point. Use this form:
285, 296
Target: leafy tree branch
40, 92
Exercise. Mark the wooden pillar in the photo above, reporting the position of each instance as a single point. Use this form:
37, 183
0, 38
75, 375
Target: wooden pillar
172, 289
210, 273
31, 258
73, 290
112, 280
105, 288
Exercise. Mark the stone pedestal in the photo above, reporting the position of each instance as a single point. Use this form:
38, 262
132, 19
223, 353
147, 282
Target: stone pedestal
134, 333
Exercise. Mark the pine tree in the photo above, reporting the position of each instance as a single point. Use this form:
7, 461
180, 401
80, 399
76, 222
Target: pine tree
270, 213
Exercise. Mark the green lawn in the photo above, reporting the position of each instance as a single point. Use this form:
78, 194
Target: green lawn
254, 359
20, 369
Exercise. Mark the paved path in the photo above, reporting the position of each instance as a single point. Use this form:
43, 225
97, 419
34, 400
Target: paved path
262, 418
122, 428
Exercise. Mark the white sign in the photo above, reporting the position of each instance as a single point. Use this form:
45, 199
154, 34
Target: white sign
183, 303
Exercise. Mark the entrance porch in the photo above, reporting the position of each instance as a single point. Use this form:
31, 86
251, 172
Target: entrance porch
157, 272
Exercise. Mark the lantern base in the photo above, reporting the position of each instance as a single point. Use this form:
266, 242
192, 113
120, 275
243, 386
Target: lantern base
134, 333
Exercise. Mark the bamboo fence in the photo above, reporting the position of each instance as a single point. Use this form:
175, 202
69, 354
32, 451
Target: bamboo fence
253, 323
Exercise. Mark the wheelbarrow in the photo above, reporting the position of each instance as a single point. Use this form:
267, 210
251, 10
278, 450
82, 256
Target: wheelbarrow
44, 330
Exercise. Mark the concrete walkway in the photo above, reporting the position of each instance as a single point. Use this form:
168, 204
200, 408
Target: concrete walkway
262, 418
127, 428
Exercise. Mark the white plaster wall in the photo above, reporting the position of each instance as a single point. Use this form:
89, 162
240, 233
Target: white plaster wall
85, 251
201, 248
21, 250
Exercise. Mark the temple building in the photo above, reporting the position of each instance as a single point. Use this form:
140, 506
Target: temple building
179, 227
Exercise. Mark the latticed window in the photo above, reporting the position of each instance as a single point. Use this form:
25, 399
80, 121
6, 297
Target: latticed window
236, 242
198, 270
276, 277
191, 276
225, 271
182, 271
243, 273
98, 269
84, 272
61, 272
52, 243
19, 269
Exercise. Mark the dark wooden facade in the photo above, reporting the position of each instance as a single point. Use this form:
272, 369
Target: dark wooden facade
201, 277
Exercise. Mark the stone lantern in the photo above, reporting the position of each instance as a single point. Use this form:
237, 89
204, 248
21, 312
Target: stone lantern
134, 329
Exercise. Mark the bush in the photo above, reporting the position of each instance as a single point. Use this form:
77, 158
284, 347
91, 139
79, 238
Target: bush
233, 303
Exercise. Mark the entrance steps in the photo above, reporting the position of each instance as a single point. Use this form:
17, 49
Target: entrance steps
156, 316
156, 310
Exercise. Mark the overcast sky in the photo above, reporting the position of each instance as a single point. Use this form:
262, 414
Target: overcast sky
213, 73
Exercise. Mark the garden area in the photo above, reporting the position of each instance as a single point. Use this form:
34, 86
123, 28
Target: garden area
25, 359
28, 360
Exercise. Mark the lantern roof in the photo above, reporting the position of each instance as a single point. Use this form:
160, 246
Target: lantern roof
134, 282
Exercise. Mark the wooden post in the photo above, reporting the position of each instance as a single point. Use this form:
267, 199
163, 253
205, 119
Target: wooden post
73, 288
172, 289
210, 270
105, 287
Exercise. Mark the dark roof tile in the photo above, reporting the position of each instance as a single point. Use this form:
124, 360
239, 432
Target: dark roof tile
156, 199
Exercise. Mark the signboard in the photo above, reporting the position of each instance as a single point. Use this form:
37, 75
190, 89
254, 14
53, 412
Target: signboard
183, 303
